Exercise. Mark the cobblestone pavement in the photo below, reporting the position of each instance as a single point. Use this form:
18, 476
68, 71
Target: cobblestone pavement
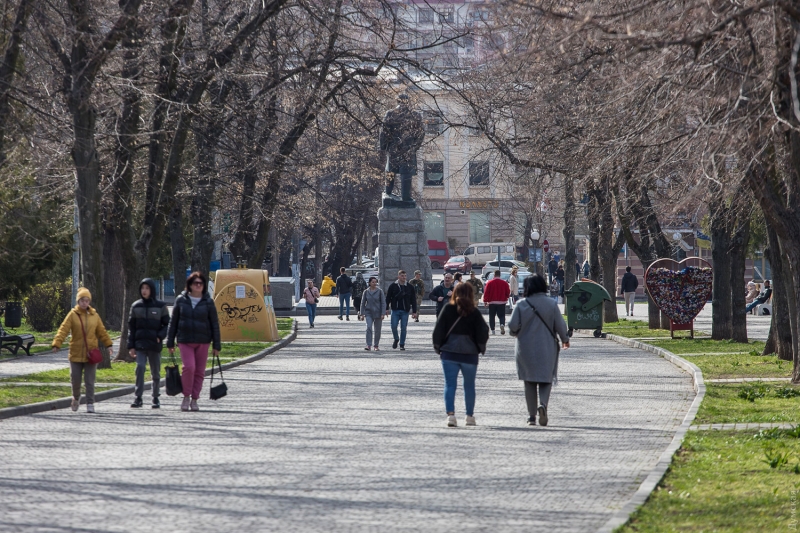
324, 436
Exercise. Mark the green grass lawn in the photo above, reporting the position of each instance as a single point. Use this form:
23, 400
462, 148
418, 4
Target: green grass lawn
721, 481
730, 402
45, 337
692, 346
742, 365
633, 329
22, 395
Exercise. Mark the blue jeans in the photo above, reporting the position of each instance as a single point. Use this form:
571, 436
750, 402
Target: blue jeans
344, 303
401, 317
312, 312
451, 369
752, 305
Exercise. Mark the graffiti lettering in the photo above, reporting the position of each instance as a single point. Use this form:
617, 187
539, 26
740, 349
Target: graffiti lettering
241, 314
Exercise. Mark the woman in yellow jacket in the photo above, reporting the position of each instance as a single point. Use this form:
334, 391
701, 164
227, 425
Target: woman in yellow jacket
78, 349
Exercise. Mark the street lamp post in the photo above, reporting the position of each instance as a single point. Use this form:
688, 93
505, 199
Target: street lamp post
535, 237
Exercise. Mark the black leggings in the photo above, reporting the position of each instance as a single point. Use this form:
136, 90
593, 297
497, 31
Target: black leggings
530, 395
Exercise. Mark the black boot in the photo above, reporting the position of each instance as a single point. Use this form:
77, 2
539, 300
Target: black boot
156, 403
137, 402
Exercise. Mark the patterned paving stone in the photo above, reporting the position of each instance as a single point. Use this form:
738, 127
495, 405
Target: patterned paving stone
324, 436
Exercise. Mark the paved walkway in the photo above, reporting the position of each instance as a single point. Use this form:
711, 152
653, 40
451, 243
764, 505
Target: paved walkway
323, 436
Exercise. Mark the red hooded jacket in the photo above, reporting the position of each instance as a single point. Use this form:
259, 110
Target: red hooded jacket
496, 291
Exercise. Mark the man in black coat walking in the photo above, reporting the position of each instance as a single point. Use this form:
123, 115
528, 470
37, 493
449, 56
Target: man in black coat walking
400, 299
441, 294
147, 329
628, 289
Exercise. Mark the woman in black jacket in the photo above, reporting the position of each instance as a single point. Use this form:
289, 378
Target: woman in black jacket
459, 337
194, 320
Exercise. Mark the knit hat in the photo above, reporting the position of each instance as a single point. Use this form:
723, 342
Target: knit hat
83, 292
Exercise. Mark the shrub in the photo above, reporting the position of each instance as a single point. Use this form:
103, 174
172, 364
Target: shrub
44, 305
752, 392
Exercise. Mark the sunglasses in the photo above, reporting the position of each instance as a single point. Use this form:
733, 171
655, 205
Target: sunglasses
197, 283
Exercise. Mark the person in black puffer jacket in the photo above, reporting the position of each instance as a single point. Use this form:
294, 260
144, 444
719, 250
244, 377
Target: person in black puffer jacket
459, 336
194, 321
147, 329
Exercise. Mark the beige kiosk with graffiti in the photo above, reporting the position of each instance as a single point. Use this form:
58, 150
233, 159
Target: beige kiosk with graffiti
244, 305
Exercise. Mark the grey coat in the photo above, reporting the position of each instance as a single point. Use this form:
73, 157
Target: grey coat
536, 349
373, 304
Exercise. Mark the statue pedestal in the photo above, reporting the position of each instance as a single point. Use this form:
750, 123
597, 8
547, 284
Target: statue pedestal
402, 245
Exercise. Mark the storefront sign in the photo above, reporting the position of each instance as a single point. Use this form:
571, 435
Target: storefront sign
479, 204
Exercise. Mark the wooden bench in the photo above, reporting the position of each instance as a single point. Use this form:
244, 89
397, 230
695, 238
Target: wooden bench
13, 343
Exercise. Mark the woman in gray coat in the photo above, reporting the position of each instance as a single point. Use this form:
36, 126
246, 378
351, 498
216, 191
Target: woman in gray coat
373, 306
535, 322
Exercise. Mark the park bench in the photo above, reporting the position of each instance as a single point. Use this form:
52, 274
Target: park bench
13, 343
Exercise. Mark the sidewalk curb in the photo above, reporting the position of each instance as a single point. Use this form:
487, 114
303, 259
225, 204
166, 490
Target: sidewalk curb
650, 483
63, 403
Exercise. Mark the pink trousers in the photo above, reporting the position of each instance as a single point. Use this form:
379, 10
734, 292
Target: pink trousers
194, 358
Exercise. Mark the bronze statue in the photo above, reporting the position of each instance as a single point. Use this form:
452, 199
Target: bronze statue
401, 136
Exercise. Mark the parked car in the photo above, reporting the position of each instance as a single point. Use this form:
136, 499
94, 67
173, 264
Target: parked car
367, 264
458, 263
521, 275
505, 266
437, 252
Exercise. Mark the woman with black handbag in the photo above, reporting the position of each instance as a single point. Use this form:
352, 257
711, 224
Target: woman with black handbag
87, 330
459, 337
195, 323
535, 322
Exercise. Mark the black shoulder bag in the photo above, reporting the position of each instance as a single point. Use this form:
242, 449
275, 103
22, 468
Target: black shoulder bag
174, 383
220, 390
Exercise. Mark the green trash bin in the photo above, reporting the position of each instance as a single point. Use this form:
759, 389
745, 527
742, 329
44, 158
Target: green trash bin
584, 306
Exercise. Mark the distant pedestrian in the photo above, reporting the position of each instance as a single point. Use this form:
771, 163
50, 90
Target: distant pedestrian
495, 295
457, 277
513, 284
373, 304
628, 287
537, 325
419, 290
147, 328
400, 300
552, 266
763, 297
311, 296
751, 293
459, 337
560, 277
359, 286
586, 268
477, 286
344, 286
195, 324
87, 331
441, 293
577, 270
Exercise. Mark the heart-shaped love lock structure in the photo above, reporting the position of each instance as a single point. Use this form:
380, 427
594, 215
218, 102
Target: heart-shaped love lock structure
679, 289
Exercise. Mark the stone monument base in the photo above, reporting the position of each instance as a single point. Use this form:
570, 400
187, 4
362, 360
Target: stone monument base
402, 245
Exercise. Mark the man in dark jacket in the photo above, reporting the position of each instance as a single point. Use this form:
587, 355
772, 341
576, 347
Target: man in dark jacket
441, 294
344, 285
552, 266
628, 290
147, 329
400, 299
764, 297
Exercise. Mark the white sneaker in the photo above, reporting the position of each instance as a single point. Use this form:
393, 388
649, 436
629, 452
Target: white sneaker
75, 404
185, 404
193, 405
90, 408
470, 421
451, 421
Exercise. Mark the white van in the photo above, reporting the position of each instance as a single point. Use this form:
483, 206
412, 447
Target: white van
482, 252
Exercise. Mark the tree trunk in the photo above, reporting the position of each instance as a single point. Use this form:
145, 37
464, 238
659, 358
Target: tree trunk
179, 258
779, 340
738, 254
722, 312
569, 232
114, 283
8, 70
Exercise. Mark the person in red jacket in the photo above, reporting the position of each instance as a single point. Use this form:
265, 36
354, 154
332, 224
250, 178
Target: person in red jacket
495, 295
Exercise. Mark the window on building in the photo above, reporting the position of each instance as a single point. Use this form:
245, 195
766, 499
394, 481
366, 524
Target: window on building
467, 41
479, 230
434, 174
479, 173
481, 14
434, 227
425, 15
434, 122
446, 14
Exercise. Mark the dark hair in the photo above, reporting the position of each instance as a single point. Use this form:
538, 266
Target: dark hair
497, 273
457, 276
462, 298
627, 269
534, 284
371, 278
341, 270
193, 276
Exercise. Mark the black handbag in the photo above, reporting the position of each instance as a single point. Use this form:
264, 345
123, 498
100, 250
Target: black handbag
174, 382
221, 390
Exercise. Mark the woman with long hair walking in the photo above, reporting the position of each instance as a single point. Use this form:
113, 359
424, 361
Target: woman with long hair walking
459, 337
195, 323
